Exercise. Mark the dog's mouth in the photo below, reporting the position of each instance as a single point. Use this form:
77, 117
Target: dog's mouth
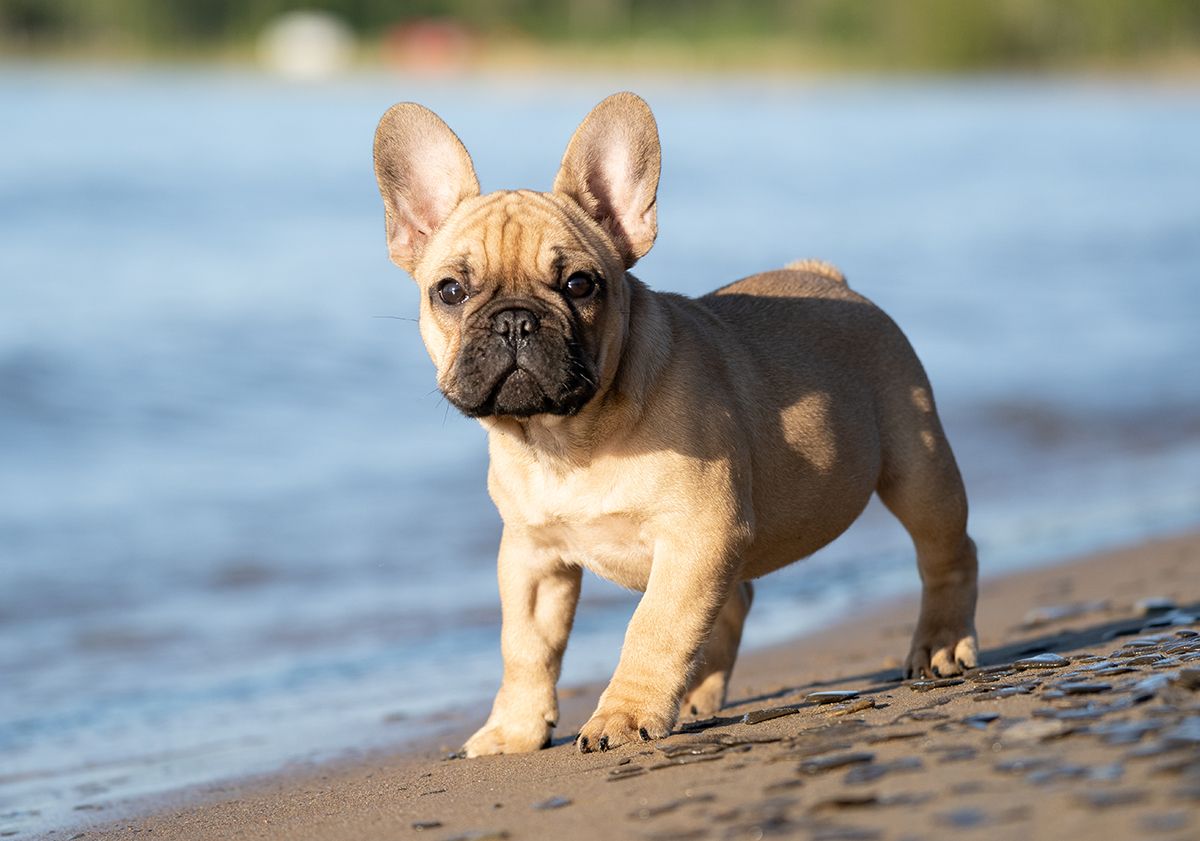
494, 381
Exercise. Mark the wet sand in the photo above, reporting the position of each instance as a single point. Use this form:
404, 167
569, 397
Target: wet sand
1083, 721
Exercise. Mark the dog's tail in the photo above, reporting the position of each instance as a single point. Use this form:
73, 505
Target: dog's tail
818, 267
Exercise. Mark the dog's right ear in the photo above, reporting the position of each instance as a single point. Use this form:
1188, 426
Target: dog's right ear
424, 172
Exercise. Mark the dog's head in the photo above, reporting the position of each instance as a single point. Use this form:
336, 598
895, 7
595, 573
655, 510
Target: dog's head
524, 299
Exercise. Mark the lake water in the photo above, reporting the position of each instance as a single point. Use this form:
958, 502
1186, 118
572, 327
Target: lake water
238, 528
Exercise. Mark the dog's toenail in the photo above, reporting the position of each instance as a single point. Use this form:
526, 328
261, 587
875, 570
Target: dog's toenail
694, 710
936, 671
583, 742
642, 732
603, 743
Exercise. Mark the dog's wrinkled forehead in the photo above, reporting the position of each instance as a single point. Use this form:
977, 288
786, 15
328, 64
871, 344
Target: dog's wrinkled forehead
518, 239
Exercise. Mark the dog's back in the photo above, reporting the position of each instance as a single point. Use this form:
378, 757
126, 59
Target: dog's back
844, 387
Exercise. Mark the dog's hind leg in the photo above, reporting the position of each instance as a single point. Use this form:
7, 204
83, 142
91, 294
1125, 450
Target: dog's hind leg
706, 694
920, 484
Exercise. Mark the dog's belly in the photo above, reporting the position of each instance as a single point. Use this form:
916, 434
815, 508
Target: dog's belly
613, 546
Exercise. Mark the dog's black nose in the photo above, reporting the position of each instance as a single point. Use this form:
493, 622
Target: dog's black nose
514, 324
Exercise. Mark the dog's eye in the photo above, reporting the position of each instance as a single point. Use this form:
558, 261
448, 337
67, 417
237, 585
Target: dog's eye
451, 291
580, 285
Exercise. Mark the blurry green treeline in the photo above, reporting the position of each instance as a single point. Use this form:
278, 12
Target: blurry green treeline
914, 34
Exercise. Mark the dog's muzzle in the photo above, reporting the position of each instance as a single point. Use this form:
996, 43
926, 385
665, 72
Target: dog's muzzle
518, 366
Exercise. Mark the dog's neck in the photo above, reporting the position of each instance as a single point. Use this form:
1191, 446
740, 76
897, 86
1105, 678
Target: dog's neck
563, 442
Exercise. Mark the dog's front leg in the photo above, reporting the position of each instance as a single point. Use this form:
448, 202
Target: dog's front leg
537, 600
687, 587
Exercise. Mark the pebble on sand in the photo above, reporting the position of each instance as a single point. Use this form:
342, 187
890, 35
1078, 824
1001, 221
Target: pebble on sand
1041, 661
818, 764
830, 696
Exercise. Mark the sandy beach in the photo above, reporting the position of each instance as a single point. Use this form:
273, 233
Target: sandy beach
1083, 721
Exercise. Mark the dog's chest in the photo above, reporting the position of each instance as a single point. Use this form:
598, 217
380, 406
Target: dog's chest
596, 521
613, 546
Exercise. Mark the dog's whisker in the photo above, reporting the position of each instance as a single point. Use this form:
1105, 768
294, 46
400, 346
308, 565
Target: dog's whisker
398, 318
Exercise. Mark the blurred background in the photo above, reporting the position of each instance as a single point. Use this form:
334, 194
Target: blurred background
240, 530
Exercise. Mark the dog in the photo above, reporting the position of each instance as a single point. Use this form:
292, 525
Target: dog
679, 447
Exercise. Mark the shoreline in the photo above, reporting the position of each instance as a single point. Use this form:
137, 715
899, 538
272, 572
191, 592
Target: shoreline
1080, 608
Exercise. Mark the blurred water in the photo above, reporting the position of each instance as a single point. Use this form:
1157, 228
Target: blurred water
238, 529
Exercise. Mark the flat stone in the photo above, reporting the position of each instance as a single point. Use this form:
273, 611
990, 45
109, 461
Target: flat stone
1023, 764
1188, 679
894, 735
990, 677
670, 751
1069, 714
858, 706
819, 764
556, 802
1107, 798
957, 753
1144, 659
1107, 773
993, 670
481, 835
980, 721
1147, 688
1096, 665
1186, 765
625, 772
847, 800
1082, 688
1055, 773
686, 759
1124, 732
1148, 642
421, 826
1016, 689
878, 770
1041, 661
1034, 730
1186, 733
926, 685
962, 818
831, 696
844, 833
759, 716
1186, 633
1154, 604
1113, 670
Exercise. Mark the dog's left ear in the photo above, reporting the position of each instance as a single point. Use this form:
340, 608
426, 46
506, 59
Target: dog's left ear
611, 169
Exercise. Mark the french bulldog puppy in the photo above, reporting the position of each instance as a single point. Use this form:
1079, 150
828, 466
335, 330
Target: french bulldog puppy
680, 447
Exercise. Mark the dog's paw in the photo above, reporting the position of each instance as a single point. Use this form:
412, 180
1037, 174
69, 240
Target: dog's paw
508, 737
706, 698
942, 653
611, 728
